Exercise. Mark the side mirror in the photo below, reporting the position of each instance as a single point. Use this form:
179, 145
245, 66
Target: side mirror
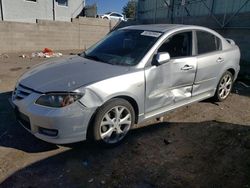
162, 57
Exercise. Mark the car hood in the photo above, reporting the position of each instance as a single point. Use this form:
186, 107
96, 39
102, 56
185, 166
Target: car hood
68, 74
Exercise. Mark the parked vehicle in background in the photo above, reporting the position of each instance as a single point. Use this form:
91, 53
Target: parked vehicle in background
113, 16
133, 74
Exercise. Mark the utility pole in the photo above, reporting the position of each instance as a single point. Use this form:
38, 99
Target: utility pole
155, 12
1, 9
54, 11
172, 12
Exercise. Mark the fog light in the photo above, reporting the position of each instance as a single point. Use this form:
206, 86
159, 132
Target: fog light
48, 132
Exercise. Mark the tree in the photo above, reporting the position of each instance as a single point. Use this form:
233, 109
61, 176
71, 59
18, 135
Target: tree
129, 9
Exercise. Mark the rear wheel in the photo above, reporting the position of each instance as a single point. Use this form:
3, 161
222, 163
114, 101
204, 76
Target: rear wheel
224, 87
113, 121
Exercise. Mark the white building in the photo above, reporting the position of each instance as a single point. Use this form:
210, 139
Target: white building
30, 10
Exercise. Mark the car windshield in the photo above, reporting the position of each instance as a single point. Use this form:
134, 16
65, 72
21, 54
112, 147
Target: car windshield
123, 47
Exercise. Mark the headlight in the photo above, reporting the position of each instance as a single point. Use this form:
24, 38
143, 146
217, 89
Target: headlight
58, 100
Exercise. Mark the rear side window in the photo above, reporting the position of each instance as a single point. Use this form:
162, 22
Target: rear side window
207, 42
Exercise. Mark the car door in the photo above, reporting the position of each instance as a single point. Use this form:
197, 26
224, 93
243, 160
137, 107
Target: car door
171, 82
210, 60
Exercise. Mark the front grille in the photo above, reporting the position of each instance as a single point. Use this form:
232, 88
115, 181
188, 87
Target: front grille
21, 92
22, 118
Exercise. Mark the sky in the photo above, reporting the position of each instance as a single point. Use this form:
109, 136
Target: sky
104, 6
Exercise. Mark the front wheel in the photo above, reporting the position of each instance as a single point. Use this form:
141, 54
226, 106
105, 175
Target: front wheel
113, 121
224, 87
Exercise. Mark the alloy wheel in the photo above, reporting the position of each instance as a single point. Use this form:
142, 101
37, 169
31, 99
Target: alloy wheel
115, 124
225, 86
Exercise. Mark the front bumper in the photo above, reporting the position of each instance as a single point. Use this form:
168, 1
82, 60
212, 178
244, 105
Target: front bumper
54, 125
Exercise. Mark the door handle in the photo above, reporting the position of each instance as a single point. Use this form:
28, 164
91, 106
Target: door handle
220, 60
187, 67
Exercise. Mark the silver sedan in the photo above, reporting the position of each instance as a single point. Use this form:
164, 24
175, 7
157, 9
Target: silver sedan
133, 74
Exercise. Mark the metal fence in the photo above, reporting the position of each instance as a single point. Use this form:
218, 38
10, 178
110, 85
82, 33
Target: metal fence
216, 13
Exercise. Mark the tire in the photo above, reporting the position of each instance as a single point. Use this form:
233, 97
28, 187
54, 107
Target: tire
224, 87
107, 128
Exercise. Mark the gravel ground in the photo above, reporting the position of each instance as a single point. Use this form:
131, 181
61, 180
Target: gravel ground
205, 144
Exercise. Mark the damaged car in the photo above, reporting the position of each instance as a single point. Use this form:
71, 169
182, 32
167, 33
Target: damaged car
131, 75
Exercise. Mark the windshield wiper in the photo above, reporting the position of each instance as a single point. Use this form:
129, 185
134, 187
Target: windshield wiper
116, 63
92, 57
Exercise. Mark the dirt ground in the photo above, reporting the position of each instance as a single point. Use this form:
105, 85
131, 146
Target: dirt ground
205, 144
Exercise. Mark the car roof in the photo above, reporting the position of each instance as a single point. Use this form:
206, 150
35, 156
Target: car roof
114, 12
164, 27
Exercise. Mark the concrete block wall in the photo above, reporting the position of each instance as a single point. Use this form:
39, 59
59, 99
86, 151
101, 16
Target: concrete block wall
79, 34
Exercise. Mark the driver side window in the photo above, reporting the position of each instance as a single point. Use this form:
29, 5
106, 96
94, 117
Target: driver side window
179, 45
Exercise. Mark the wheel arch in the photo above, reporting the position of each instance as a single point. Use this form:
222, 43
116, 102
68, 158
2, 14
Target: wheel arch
133, 102
217, 98
232, 71
229, 69
130, 99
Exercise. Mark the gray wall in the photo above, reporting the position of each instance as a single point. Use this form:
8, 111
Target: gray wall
26, 11
74, 7
79, 34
